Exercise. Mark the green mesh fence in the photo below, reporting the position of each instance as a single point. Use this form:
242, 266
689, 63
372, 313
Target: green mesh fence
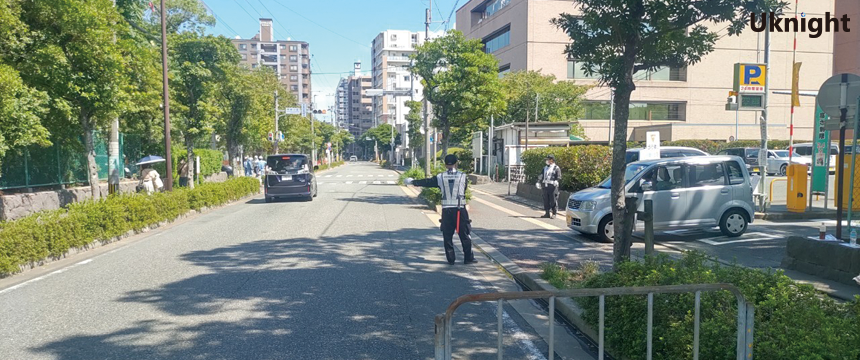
63, 164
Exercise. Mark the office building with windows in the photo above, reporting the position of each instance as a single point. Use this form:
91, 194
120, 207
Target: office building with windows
683, 103
846, 45
354, 106
290, 59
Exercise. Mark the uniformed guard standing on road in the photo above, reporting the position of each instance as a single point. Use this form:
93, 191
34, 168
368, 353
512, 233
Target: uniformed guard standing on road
455, 218
548, 181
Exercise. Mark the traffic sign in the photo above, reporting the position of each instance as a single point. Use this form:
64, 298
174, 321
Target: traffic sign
750, 78
280, 136
839, 91
304, 109
652, 146
293, 111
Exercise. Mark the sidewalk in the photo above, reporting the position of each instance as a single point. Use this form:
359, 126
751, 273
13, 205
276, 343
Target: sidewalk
832, 288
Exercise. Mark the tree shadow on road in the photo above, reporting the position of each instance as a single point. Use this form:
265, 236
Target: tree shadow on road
357, 296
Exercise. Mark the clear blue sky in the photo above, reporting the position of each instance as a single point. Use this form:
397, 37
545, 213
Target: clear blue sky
338, 31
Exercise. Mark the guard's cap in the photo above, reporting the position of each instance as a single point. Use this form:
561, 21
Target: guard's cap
550, 157
450, 159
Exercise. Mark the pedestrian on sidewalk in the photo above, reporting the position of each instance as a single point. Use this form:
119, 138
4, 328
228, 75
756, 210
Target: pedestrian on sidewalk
150, 181
455, 218
548, 181
247, 165
183, 173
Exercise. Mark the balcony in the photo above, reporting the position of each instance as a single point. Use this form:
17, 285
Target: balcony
399, 59
269, 59
269, 48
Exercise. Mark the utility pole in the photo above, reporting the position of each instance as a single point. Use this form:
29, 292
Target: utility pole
411, 98
113, 148
168, 178
490, 146
277, 137
427, 156
762, 154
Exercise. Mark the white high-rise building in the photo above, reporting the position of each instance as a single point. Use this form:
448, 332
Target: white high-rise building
391, 53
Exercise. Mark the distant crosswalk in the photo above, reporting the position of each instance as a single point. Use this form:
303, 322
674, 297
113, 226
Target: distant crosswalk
362, 182
359, 175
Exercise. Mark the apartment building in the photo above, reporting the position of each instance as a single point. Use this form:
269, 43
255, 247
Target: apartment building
391, 50
290, 59
354, 106
684, 103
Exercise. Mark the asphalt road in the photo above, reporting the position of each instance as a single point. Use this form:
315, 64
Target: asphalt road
358, 273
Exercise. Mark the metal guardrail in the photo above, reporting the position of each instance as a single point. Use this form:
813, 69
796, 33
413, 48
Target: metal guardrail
443, 322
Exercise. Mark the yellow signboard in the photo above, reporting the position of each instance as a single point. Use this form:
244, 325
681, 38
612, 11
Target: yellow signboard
750, 78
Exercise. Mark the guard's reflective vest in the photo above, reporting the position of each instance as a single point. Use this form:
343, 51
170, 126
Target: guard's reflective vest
453, 186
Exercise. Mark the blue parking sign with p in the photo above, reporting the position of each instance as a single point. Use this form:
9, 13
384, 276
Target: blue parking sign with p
750, 78
753, 75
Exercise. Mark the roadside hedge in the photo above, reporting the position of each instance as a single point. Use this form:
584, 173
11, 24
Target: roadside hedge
433, 195
210, 161
53, 233
792, 321
581, 166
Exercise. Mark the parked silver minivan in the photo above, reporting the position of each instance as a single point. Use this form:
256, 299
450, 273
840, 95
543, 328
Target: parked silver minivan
701, 191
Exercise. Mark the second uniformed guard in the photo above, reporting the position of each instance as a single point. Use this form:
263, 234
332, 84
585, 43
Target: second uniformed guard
455, 218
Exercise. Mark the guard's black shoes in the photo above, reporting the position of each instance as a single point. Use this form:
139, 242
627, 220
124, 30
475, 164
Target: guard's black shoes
545, 216
450, 263
470, 261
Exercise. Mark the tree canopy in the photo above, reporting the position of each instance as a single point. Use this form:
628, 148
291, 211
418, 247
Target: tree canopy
461, 82
555, 101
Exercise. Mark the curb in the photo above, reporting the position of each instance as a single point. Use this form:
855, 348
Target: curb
796, 216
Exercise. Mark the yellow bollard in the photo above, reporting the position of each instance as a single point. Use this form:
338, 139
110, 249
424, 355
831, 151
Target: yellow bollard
796, 188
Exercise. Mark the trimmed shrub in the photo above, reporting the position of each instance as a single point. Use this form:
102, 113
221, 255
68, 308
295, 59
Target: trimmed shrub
581, 166
792, 321
53, 233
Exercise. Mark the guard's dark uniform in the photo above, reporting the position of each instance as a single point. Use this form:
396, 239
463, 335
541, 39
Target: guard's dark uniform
453, 185
549, 180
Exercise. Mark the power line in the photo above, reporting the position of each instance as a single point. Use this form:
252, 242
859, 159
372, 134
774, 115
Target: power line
317, 24
245, 10
453, 9
218, 18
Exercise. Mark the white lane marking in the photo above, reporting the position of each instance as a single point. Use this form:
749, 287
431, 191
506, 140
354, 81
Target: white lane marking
43, 277
349, 182
516, 214
377, 182
362, 182
390, 175
391, 182
360, 175
757, 237
339, 176
327, 176
349, 176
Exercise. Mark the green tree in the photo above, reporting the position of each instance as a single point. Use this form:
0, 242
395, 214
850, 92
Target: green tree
200, 66
644, 35
416, 123
21, 106
556, 101
77, 63
379, 135
460, 81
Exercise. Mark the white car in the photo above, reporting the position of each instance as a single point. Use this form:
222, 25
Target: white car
777, 161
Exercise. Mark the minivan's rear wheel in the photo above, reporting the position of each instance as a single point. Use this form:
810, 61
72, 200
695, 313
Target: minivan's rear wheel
783, 169
606, 230
734, 223
268, 199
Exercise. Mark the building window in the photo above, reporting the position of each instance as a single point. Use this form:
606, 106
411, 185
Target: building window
294, 68
294, 77
293, 48
504, 69
575, 71
294, 87
243, 46
294, 58
495, 6
498, 40
643, 111
253, 66
244, 56
283, 47
253, 46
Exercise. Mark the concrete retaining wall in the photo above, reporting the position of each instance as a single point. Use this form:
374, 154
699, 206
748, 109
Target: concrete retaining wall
827, 259
531, 192
217, 177
16, 206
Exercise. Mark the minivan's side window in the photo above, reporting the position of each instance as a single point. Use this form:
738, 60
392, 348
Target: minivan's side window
736, 175
666, 177
706, 174
669, 154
